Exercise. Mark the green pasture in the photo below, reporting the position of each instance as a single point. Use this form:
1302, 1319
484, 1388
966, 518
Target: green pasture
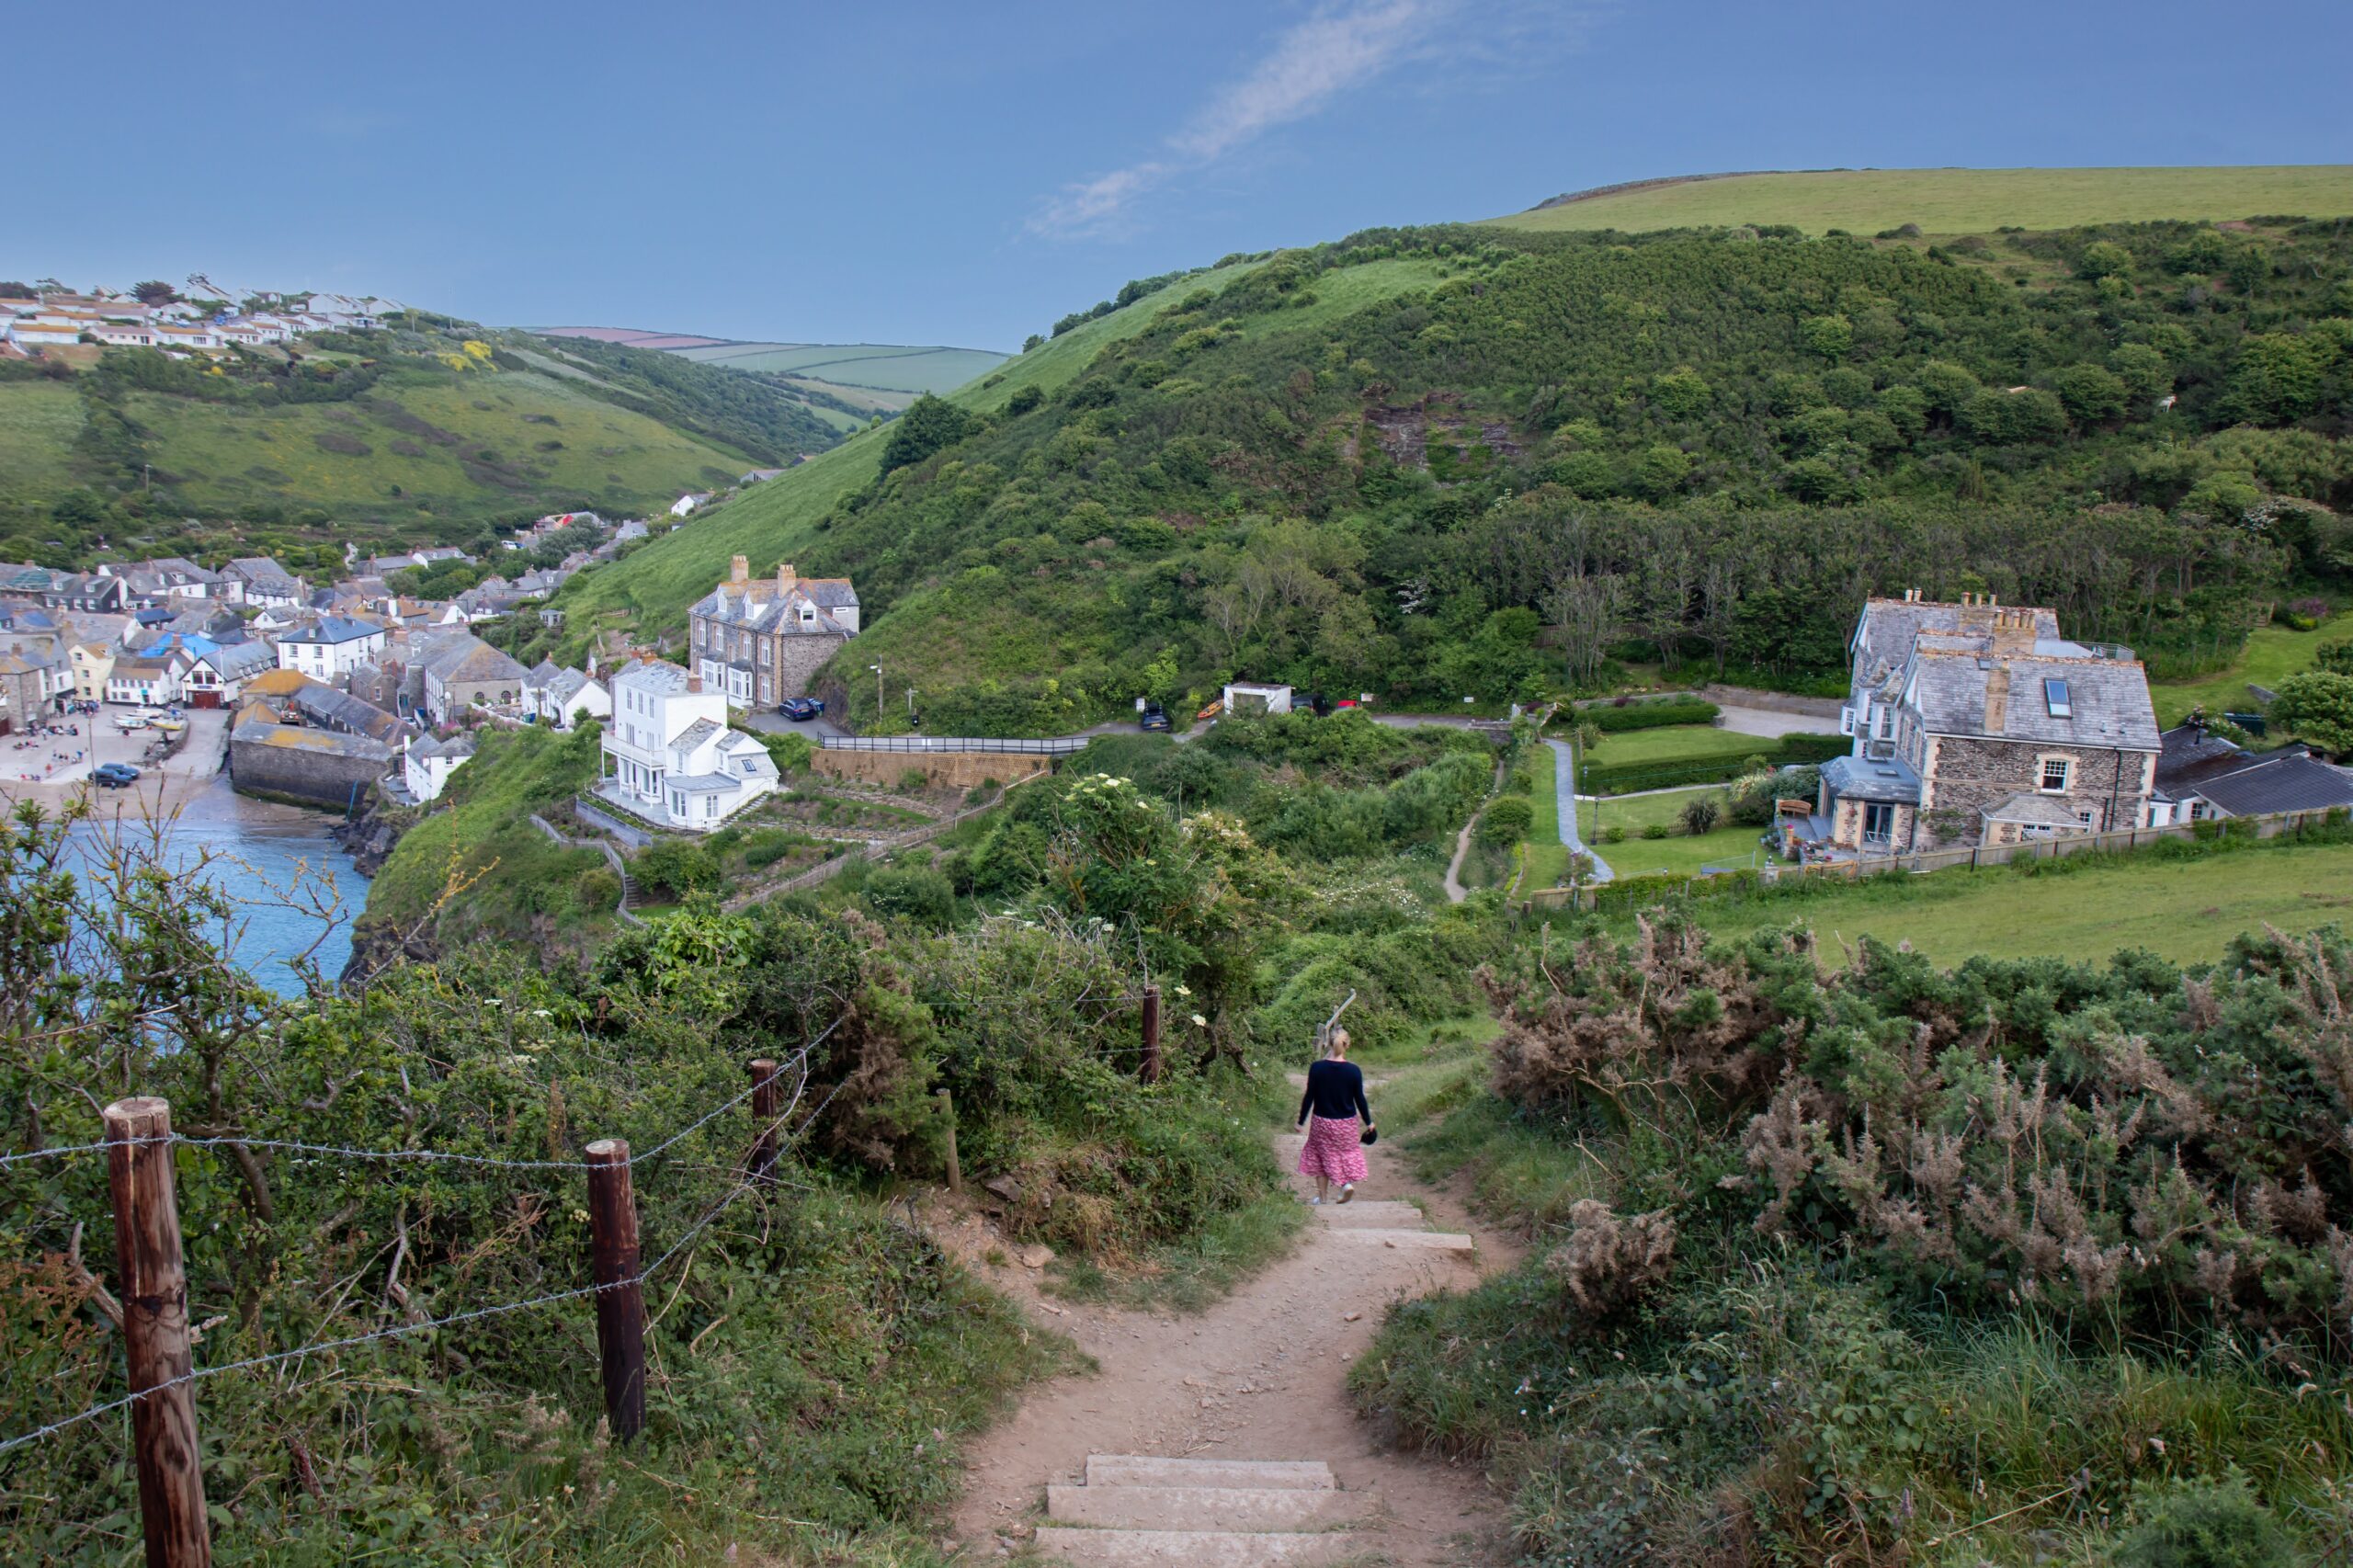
37, 423
2273, 654
1958, 201
874, 367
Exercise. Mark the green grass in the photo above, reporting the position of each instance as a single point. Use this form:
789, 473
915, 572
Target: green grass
1544, 859
226, 456
2182, 910
1196, 1272
1678, 855
1955, 202
2273, 654
37, 423
870, 366
1347, 291
1677, 743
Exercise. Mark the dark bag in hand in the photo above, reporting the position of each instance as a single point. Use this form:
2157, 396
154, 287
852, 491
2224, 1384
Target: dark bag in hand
1369, 1135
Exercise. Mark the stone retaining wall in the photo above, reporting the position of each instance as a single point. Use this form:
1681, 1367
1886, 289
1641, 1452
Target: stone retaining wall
959, 769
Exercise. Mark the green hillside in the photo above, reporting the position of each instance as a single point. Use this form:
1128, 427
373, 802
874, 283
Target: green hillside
427, 431
1488, 463
873, 368
1951, 201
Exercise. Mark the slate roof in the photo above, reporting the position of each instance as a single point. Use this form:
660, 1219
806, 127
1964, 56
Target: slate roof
1860, 779
702, 783
694, 734
658, 676
2290, 781
236, 660
2189, 753
472, 659
341, 710
1888, 628
333, 629
2035, 810
455, 746
2109, 699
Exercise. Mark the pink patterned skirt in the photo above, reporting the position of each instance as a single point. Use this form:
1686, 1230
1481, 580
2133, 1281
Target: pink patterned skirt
1333, 1150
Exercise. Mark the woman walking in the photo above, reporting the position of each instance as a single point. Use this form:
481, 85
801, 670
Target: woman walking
1329, 1110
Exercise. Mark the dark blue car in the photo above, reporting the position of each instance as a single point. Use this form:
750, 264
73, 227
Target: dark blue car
800, 707
114, 775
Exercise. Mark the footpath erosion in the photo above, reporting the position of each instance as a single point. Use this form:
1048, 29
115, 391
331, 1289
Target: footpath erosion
1226, 1438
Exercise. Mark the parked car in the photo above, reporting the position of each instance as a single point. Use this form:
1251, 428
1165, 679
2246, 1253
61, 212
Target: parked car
800, 707
1154, 717
115, 775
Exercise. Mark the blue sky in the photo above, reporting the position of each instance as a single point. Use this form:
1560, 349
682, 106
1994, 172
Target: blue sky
964, 173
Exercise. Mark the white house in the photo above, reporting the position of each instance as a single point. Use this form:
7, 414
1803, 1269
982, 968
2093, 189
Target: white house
148, 683
259, 580
571, 696
669, 755
428, 764
126, 335
218, 677
330, 651
685, 504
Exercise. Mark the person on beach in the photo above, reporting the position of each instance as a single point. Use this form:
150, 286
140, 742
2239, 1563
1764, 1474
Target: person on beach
1329, 1110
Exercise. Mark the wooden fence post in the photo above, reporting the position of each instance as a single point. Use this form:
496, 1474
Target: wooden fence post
955, 1166
154, 1332
761, 1166
621, 1295
1151, 1034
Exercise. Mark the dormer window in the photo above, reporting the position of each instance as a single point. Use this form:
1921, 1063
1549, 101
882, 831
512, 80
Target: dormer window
2055, 697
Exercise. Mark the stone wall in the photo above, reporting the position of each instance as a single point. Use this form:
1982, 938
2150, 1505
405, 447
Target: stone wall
305, 763
1966, 775
962, 770
798, 660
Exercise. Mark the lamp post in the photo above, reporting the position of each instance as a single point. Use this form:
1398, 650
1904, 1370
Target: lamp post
878, 688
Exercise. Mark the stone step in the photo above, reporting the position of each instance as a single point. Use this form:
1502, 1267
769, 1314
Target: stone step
1359, 1212
1140, 1470
1193, 1549
1413, 1241
1196, 1508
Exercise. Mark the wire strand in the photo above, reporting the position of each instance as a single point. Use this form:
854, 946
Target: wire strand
744, 1184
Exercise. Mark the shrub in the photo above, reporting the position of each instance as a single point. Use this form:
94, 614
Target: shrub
1701, 814
1654, 830
677, 866
1614, 834
1506, 821
1625, 714
918, 892
1610, 1262
2203, 1523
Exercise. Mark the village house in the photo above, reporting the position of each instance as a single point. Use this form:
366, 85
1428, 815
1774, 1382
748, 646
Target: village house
426, 766
571, 696
137, 680
91, 663
688, 502
331, 650
1976, 725
218, 676
258, 580
668, 755
465, 672
34, 677
760, 640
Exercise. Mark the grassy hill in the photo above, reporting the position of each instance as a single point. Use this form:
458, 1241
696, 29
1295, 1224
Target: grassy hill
1950, 201
849, 382
426, 431
1484, 462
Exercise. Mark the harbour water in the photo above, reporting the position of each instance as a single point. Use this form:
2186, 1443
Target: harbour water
297, 890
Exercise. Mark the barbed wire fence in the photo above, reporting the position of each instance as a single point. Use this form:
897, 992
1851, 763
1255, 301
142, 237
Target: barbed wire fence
157, 1339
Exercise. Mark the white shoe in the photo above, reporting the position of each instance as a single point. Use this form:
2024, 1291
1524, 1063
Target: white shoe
1314, 1202
1347, 1191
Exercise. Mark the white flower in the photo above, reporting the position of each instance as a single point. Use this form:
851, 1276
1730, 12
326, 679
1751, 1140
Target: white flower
1184, 991
1200, 1022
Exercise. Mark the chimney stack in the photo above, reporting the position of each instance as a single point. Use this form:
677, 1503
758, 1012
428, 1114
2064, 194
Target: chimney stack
785, 577
2012, 631
694, 684
1998, 698
739, 571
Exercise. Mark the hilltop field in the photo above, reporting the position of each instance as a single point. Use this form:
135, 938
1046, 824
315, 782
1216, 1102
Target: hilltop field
850, 381
1949, 202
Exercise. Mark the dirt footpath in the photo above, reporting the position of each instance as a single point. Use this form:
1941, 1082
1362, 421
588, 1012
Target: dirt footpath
1259, 1376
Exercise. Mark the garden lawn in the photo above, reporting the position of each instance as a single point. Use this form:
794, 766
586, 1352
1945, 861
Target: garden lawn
1677, 743
1544, 859
2181, 910
2273, 654
1678, 855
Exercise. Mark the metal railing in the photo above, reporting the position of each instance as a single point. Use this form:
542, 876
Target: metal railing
1055, 745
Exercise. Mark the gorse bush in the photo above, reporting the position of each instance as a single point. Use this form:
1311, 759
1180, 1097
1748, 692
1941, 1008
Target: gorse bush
2145, 1146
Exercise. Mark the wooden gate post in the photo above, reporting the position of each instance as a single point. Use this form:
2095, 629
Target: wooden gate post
154, 1332
955, 1165
761, 1166
621, 1295
1151, 1034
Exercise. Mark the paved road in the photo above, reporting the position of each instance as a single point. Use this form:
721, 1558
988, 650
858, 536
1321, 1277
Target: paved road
1565, 792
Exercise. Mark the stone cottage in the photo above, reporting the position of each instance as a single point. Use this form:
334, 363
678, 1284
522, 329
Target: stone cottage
760, 640
1978, 724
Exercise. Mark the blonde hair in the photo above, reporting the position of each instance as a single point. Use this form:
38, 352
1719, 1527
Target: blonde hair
1338, 1044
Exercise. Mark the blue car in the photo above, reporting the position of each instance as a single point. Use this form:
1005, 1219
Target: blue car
115, 775
800, 707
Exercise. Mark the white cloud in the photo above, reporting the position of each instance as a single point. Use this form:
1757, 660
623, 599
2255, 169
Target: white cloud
1339, 48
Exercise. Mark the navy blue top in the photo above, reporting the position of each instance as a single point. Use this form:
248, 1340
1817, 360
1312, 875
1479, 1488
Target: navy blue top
1336, 1092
